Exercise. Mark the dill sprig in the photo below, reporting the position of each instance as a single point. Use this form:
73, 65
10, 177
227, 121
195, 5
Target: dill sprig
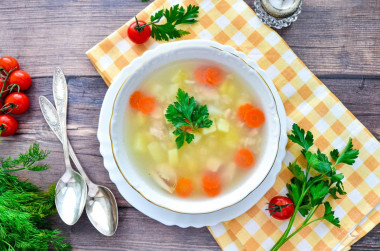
26, 160
24, 208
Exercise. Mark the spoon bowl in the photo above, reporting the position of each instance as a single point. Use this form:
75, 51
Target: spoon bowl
101, 209
70, 198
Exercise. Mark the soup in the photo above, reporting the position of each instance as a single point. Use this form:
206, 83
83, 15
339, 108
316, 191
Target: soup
202, 159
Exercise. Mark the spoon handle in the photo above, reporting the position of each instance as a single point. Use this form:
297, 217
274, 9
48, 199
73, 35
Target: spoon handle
51, 117
60, 94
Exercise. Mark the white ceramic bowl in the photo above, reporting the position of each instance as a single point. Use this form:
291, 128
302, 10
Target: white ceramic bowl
271, 131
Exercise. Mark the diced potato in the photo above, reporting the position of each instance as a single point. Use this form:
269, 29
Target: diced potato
190, 82
179, 77
223, 89
209, 130
156, 151
223, 125
228, 172
232, 91
197, 137
212, 110
140, 142
156, 88
192, 166
213, 164
141, 119
232, 138
173, 157
173, 89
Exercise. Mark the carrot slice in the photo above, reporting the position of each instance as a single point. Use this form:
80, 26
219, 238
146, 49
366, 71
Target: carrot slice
242, 110
211, 184
187, 128
244, 158
254, 118
199, 74
184, 187
134, 99
146, 105
213, 76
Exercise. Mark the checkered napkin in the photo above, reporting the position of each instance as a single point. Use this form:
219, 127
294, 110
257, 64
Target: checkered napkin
307, 102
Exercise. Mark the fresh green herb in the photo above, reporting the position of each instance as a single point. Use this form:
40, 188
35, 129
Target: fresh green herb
10, 88
186, 112
24, 208
309, 192
174, 16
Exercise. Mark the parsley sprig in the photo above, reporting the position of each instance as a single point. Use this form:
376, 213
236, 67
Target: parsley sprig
186, 112
175, 15
309, 192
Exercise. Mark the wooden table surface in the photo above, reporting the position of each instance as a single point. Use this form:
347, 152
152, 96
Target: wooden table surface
339, 40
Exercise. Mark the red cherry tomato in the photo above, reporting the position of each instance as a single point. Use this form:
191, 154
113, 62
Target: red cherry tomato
136, 36
19, 99
281, 207
4, 93
9, 63
8, 125
21, 78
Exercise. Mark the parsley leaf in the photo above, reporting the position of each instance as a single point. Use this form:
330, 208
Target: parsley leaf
182, 137
347, 156
296, 171
174, 16
318, 192
186, 112
317, 162
298, 137
329, 215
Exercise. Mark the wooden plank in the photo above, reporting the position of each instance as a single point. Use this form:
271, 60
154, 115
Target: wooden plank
137, 231
331, 36
369, 242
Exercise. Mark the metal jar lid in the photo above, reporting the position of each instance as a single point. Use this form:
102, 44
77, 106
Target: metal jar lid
280, 13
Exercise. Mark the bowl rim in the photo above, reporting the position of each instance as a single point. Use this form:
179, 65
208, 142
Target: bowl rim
228, 49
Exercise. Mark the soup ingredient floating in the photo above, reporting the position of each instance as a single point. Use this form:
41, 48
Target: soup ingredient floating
251, 116
211, 183
140, 31
281, 207
142, 103
24, 208
12, 81
187, 116
184, 187
211, 76
244, 158
307, 191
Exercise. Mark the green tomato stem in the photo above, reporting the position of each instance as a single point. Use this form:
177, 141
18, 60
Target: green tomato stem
291, 221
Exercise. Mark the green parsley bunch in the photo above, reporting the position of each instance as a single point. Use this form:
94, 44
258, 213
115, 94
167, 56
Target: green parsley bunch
186, 112
309, 188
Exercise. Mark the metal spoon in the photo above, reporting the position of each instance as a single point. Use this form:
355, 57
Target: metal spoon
101, 206
71, 189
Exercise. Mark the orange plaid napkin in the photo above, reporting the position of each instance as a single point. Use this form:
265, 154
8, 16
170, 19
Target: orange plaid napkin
307, 102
